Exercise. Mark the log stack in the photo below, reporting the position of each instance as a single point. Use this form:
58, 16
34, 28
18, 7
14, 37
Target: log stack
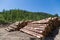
40, 28
17, 25
12, 27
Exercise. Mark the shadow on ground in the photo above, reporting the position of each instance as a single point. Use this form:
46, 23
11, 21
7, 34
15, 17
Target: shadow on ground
52, 35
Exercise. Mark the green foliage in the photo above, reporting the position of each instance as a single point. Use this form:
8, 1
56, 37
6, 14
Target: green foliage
18, 15
2, 19
56, 15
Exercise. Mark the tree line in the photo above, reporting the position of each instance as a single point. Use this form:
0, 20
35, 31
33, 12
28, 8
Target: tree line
18, 15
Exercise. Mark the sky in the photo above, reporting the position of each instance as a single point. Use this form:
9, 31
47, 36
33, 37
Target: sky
48, 6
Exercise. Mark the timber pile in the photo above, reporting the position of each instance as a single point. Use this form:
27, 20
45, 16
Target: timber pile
41, 28
38, 29
17, 25
12, 27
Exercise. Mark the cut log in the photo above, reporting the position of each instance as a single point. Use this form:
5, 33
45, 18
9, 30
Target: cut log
32, 33
44, 21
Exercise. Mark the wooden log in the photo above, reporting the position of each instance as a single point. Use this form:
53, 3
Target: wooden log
44, 21
34, 38
55, 22
32, 33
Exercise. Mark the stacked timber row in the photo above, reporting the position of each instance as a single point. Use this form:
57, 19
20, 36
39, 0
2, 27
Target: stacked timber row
41, 28
12, 27
17, 26
38, 29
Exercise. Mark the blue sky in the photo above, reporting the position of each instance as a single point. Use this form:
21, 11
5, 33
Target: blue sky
49, 6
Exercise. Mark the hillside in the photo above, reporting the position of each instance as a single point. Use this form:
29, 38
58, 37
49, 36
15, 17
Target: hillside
17, 15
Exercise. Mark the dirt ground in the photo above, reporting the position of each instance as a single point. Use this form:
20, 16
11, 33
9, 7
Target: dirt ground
17, 35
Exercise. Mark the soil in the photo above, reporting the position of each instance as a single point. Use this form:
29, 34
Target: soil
17, 35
